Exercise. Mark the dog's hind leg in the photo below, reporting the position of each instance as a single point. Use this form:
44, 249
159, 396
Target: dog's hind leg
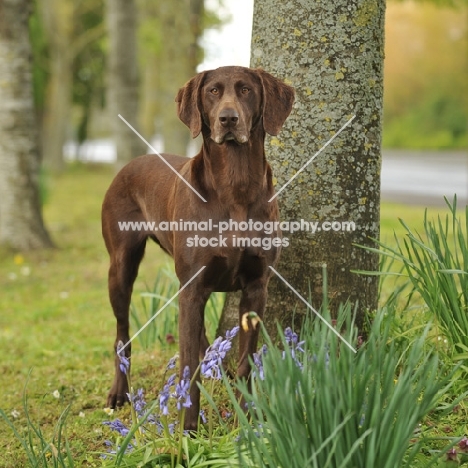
124, 262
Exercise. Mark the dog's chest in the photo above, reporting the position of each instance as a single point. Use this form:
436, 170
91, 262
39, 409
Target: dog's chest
232, 272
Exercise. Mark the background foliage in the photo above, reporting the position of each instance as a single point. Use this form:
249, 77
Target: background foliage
426, 64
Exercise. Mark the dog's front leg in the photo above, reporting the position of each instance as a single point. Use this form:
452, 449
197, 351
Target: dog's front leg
191, 315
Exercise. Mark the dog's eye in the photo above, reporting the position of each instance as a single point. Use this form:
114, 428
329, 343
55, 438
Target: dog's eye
214, 91
245, 90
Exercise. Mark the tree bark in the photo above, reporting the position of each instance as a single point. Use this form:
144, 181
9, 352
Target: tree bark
21, 224
57, 16
123, 78
170, 60
176, 68
332, 53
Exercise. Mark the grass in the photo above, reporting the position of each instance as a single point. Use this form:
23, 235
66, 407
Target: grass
56, 321
347, 409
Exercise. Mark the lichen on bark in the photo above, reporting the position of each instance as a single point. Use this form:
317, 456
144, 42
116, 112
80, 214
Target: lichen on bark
332, 53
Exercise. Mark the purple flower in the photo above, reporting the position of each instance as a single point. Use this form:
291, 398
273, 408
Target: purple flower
292, 340
172, 362
230, 334
124, 361
182, 390
166, 394
203, 417
211, 364
109, 444
118, 426
138, 402
258, 362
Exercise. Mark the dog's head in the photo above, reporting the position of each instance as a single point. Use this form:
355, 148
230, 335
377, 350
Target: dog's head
230, 101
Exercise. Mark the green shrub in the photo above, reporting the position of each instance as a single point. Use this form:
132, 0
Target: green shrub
321, 405
436, 264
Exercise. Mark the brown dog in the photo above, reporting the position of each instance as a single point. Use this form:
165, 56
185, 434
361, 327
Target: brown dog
232, 107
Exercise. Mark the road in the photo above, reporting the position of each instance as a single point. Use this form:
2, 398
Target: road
424, 177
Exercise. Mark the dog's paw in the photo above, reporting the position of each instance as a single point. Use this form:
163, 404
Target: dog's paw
118, 395
116, 401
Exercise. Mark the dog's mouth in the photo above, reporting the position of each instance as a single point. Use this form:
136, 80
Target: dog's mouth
230, 137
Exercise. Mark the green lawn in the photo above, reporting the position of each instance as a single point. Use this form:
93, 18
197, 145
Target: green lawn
56, 321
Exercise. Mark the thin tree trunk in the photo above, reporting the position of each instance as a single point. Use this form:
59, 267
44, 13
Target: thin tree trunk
169, 66
21, 224
57, 112
57, 16
332, 53
123, 78
175, 70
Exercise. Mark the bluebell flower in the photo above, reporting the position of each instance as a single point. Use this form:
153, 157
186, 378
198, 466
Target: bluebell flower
118, 426
292, 340
203, 417
172, 362
109, 444
258, 362
124, 361
182, 390
165, 395
230, 334
211, 364
171, 428
137, 400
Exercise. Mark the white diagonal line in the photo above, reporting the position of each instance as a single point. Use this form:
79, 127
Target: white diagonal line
162, 159
313, 310
161, 309
312, 158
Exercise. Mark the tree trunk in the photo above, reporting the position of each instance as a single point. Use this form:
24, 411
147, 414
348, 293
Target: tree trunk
123, 78
175, 70
332, 53
21, 225
171, 58
57, 16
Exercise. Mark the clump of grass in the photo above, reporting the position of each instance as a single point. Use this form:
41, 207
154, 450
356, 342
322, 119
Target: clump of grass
40, 451
317, 404
436, 264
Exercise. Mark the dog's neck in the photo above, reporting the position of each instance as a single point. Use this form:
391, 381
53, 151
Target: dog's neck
235, 173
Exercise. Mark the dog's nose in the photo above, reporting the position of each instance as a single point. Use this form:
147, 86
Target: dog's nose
228, 117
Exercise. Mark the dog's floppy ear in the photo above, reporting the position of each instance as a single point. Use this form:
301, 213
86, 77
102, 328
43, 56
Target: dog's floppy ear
188, 104
278, 99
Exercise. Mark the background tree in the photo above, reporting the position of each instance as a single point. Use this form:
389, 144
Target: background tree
57, 17
89, 67
332, 53
70, 28
123, 78
170, 34
21, 224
